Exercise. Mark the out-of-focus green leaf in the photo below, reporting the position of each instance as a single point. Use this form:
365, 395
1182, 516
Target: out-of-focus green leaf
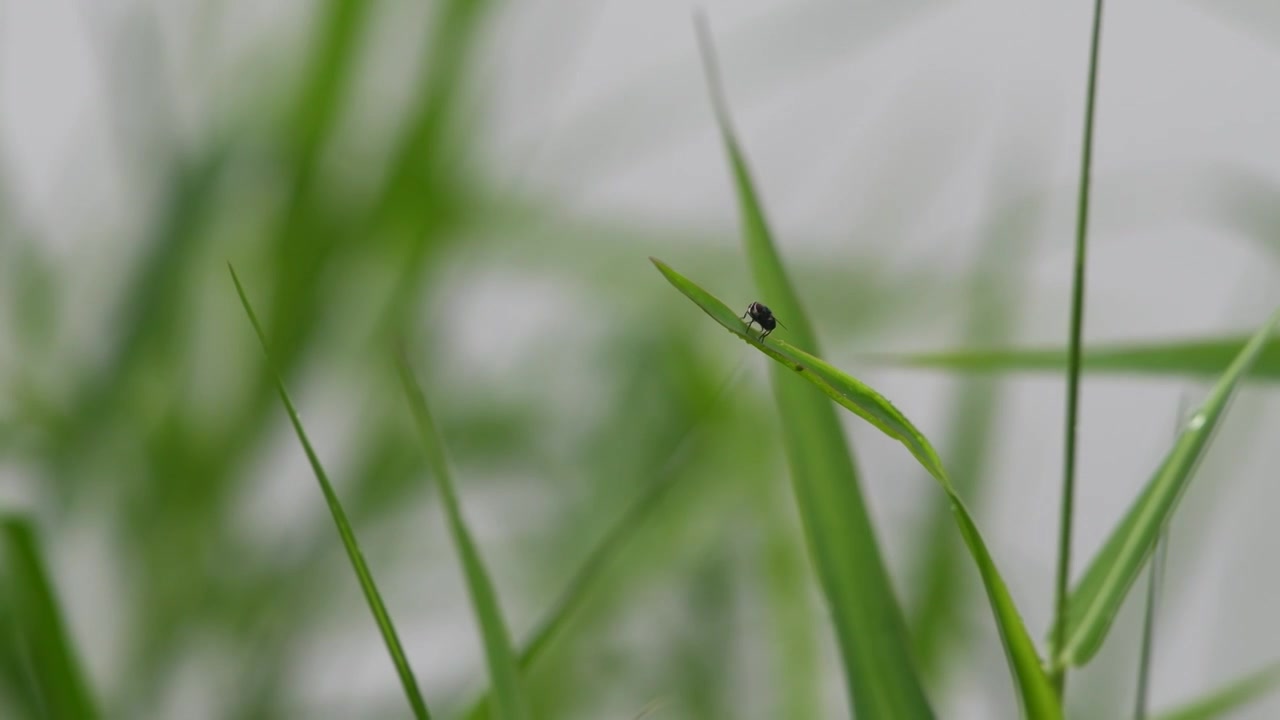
794, 625
990, 308
1038, 697
34, 283
590, 574
511, 701
1231, 697
1145, 658
150, 309
347, 534
335, 49
419, 191
1207, 357
41, 637
580, 586
1155, 576
18, 693
1105, 584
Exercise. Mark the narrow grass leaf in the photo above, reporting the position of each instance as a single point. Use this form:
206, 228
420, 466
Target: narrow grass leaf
582, 583
510, 699
826, 482
880, 673
592, 571
43, 640
1112, 572
1146, 652
334, 56
1204, 357
1226, 699
17, 685
1075, 337
1038, 697
849, 392
347, 534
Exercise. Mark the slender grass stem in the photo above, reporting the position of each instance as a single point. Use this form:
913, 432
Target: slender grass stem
1073, 359
348, 536
1149, 628
1154, 577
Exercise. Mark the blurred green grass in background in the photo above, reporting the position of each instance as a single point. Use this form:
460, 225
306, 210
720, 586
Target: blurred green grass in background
627, 483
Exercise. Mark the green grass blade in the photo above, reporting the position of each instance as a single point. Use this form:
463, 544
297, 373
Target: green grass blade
579, 588
1145, 656
1112, 572
943, 590
1062, 578
334, 54
42, 636
510, 699
589, 575
367, 585
1155, 575
581, 584
880, 673
1231, 697
849, 392
794, 627
1038, 697
18, 688
1206, 357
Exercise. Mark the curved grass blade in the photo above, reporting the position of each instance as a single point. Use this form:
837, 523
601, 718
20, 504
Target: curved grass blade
816, 448
367, 585
992, 306
43, 641
1038, 697
510, 699
845, 390
880, 673
579, 587
1112, 572
1207, 357
942, 588
1231, 697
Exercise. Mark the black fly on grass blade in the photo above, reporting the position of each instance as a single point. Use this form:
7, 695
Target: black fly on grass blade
760, 314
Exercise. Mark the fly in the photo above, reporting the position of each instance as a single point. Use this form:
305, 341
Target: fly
757, 313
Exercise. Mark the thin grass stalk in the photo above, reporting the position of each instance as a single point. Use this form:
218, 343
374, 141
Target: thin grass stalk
346, 533
1063, 575
1154, 575
510, 700
1149, 628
